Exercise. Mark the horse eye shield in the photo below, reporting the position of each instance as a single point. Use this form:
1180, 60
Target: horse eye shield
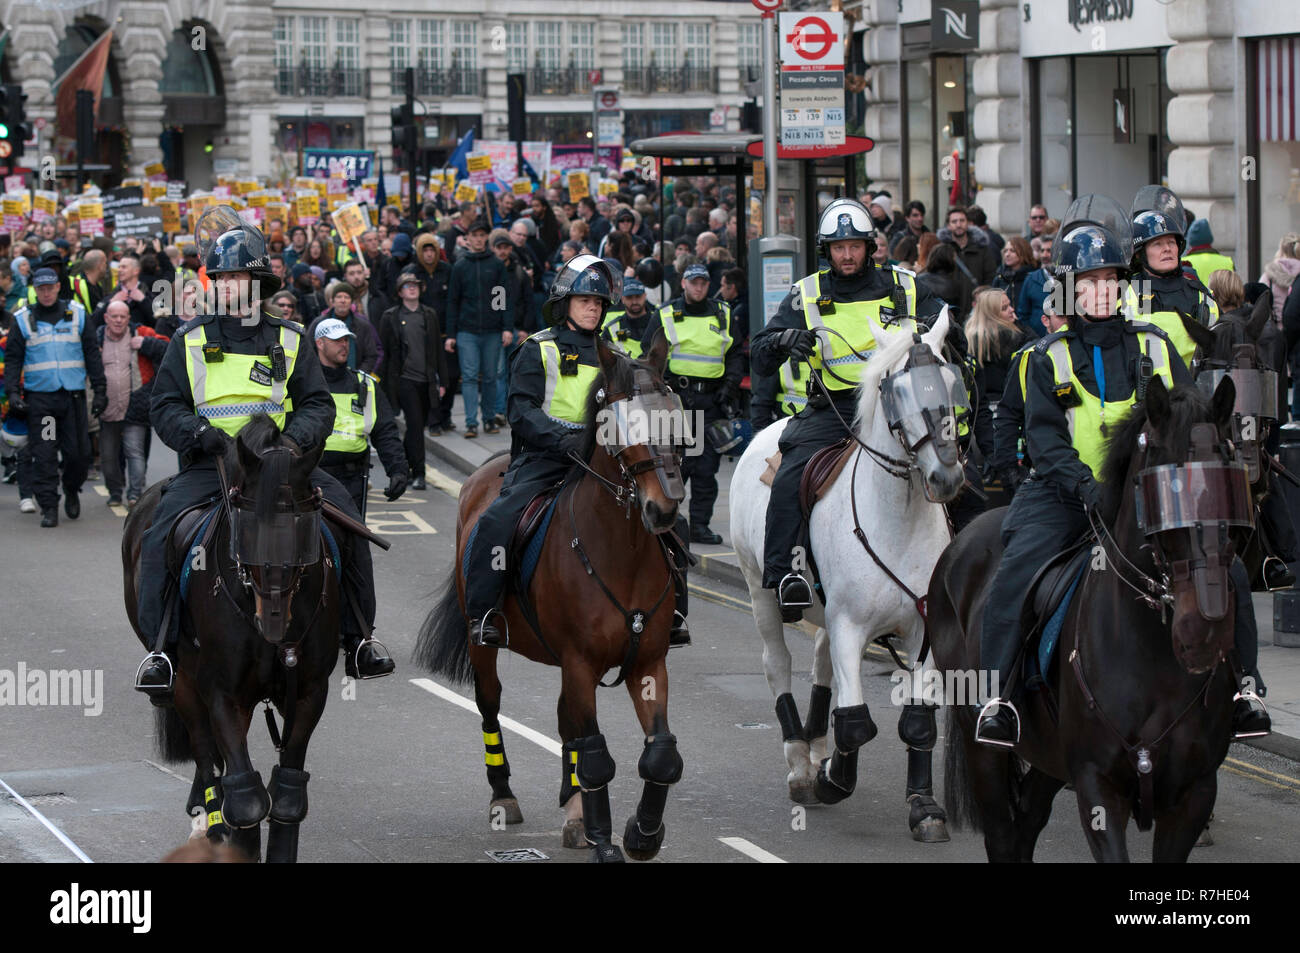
926, 402
1181, 496
653, 419
285, 538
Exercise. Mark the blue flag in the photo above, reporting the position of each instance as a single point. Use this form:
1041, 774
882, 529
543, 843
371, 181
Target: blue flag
460, 158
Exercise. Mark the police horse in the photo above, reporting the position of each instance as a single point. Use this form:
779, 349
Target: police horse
591, 591
875, 537
1133, 707
259, 621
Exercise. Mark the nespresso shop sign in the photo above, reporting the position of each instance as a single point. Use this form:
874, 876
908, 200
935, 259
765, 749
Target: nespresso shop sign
1083, 27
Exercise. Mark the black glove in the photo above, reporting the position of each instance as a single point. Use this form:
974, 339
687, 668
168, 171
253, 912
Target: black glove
99, 404
1089, 492
726, 397
396, 486
213, 441
797, 342
17, 407
574, 442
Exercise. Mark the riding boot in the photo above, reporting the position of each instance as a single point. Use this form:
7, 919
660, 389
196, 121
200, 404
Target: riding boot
680, 634
483, 633
998, 725
794, 596
155, 675
366, 658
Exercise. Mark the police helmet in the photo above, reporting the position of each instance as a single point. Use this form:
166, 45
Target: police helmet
649, 272
583, 275
845, 219
1095, 233
14, 433
1158, 211
227, 243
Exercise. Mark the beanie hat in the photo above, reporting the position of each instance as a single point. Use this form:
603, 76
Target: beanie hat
1199, 234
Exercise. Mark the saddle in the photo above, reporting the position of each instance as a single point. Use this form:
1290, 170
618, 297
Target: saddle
822, 471
526, 540
1046, 604
189, 529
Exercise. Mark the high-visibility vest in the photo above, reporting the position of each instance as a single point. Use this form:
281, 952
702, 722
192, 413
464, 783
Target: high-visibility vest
54, 359
354, 416
1169, 321
615, 329
1088, 421
698, 343
791, 392
229, 391
1206, 263
854, 322
565, 400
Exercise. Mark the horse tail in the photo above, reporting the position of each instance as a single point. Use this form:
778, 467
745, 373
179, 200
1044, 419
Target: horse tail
442, 646
958, 796
171, 735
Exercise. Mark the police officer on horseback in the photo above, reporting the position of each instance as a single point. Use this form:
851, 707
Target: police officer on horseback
818, 342
550, 379
220, 369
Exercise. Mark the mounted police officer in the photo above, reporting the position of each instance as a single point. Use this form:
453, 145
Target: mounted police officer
551, 377
55, 353
626, 327
706, 364
362, 416
219, 370
851, 298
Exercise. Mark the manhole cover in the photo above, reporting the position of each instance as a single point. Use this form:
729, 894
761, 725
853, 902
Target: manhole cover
45, 800
520, 855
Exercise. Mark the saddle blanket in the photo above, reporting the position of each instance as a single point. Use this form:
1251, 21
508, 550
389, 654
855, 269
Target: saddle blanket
1052, 630
532, 551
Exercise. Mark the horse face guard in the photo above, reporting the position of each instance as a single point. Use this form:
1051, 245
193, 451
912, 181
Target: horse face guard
1200, 503
1255, 410
926, 402
651, 416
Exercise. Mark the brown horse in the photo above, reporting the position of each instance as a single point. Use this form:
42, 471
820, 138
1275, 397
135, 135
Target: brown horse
601, 598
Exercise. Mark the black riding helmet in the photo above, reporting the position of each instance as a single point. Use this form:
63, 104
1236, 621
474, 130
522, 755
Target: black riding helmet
1157, 211
649, 272
583, 275
227, 243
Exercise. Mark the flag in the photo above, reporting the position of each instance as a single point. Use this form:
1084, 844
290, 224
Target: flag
532, 173
460, 158
381, 193
86, 73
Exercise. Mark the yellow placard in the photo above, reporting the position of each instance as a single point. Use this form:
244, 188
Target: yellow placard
350, 221
606, 187
72, 215
248, 185
276, 212
258, 199
127, 183
48, 202
374, 217
171, 215
308, 206
480, 163
153, 191
760, 175
578, 188
155, 168
466, 192
522, 186
26, 198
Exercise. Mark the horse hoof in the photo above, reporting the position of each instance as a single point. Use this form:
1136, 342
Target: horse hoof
606, 854
803, 791
506, 807
641, 846
931, 830
574, 834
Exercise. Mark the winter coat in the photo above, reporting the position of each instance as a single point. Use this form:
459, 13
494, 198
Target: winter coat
474, 278
1280, 274
148, 358
977, 256
1012, 281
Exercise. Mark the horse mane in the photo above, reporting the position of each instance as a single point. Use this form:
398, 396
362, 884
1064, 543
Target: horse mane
620, 382
1186, 406
259, 436
887, 358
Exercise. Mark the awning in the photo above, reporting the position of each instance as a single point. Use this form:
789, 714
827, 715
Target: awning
682, 145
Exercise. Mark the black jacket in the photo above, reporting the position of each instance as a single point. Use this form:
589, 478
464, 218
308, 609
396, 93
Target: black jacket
978, 255
472, 292
434, 293
733, 361
383, 436
531, 430
1174, 292
16, 348
171, 410
949, 286
1009, 419
1047, 432
394, 344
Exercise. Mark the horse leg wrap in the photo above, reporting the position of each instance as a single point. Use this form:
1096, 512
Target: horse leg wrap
660, 761
838, 775
660, 766
217, 826
787, 713
595, 766
595, 770
916, 726
245, 802
288, 790
568, 772
920, 797
819, 712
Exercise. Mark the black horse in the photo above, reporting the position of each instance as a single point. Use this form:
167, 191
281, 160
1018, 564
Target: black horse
1137, 707
260, 622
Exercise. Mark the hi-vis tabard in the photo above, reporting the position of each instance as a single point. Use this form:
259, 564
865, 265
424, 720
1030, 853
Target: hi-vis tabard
54, 359
354, 417
1168, 321
698, 342
854, 321
792, 394
229, 388
616, 329
568, 382
1088, 414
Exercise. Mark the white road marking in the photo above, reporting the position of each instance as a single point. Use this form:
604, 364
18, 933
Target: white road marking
536, 737
751, 850
63, 838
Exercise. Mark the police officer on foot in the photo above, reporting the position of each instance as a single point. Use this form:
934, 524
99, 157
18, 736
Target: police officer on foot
852, 297
706, 364
220, 370
53, 348
626, 327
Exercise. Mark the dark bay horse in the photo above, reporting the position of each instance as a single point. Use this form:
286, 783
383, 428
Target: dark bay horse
1143, 697
260, 626
600, 599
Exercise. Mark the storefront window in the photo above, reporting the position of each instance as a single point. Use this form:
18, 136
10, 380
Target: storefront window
952, 126
1275, 133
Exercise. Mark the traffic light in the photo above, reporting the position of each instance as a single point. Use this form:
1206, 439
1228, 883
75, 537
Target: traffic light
516, 118
14, 129
402, 118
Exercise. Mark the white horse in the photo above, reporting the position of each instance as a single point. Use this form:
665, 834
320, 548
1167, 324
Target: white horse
862, 603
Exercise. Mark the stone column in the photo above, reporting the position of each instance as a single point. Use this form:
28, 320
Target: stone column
882, 120
998, 113
246, 30
1202, 120
140, 42
34, 37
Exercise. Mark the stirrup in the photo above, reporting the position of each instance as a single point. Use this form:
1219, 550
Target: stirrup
680, 632
1248, 695
1269, 560
988, 711
793, 577
155, 689
503, 631
356, 658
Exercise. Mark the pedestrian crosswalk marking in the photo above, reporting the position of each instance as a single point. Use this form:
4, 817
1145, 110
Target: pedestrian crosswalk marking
398, 523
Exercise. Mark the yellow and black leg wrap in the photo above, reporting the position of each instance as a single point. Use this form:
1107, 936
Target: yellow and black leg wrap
568, 773
217, 827
494, 758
